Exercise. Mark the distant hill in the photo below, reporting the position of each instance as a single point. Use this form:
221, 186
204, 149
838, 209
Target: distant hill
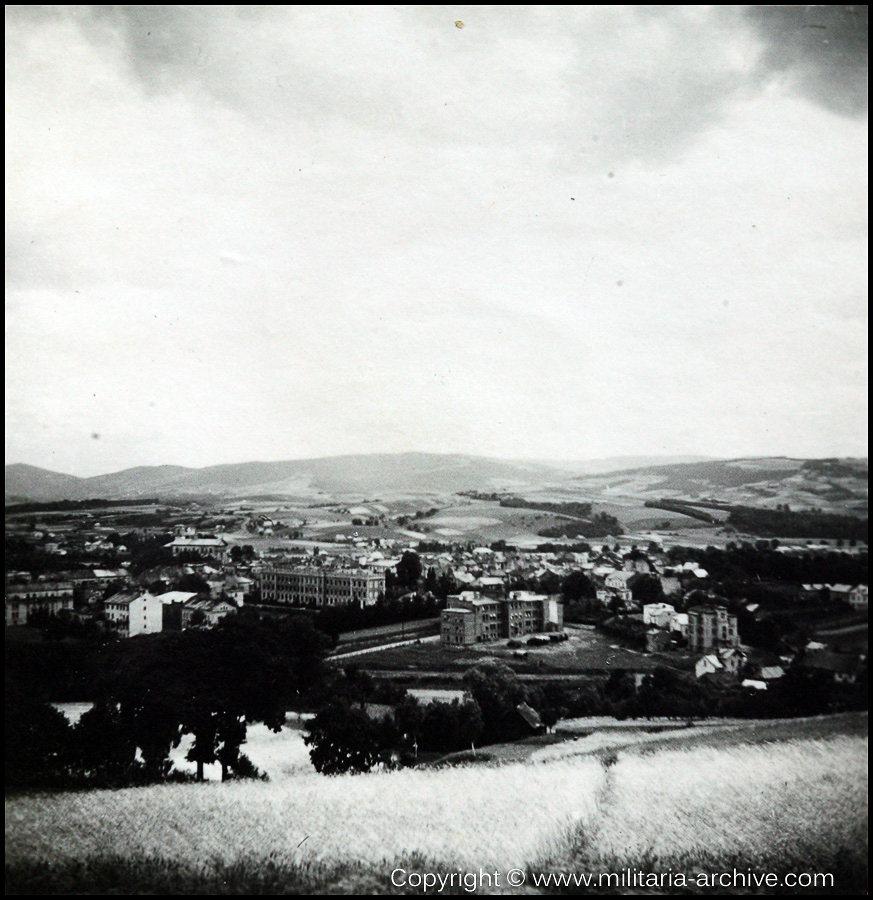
829, 484
610, 464
385, 474
837, 485
31, 483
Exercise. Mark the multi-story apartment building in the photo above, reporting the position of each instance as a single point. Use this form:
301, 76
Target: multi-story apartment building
311, 586
23, 600
458, 627
135, 613
481, 626
712, 626
470, 618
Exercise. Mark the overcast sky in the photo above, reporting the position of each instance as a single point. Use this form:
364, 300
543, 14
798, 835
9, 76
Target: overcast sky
275, 233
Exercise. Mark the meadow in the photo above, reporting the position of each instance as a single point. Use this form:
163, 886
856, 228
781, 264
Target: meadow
776, 805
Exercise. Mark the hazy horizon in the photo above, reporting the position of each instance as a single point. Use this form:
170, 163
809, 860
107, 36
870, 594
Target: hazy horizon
648, 459
534, 233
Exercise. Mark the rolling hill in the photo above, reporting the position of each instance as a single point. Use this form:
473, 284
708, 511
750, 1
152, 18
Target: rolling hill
833, 485
384, 474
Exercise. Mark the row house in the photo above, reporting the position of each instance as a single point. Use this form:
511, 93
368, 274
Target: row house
210, 611
855, 595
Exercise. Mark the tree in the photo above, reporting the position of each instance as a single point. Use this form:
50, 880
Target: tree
409, 570
344, 739
549, 583
646, 589
498, 692
193, 584
242, 553
103, 748
447, 584
211, 684
408, 718
36, 739
447, 727
577, 586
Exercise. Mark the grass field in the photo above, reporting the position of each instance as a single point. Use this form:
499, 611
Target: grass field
790, 798
586, 650
798, 806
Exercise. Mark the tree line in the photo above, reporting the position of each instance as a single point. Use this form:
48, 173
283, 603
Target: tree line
349, 735
808, 523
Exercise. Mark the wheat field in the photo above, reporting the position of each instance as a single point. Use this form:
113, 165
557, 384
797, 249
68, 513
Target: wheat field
787, 804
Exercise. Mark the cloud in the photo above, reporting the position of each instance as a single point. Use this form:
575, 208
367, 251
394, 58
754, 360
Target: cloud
594, 85
821, 49
302, 230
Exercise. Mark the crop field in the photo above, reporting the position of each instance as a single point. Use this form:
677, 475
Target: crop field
778, 805
796, 806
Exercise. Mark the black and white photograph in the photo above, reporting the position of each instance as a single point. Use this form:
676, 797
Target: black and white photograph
436, 450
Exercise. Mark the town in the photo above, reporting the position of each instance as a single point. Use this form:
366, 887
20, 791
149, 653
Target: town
417, 610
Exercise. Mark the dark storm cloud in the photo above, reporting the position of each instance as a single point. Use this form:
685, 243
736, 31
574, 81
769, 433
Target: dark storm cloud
825, 47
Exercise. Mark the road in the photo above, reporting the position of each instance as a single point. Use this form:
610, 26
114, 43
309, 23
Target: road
427, 639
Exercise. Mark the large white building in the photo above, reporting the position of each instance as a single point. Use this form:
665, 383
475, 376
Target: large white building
135, 613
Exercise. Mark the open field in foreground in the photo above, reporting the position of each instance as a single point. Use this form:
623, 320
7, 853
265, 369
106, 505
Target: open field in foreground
790, 805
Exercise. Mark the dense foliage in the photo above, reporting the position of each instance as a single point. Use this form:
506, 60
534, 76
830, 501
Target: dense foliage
335, 620
154, 688
797, 524
745, 562
574, 508
599, 526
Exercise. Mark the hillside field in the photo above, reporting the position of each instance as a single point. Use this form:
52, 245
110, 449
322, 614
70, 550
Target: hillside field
789, 800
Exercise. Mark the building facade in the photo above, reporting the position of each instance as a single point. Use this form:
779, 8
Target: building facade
201, 546
617, 585
311, 586
22, 600
457, 627
659, 614
134, 613
858, 597
712, 626
471, 618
